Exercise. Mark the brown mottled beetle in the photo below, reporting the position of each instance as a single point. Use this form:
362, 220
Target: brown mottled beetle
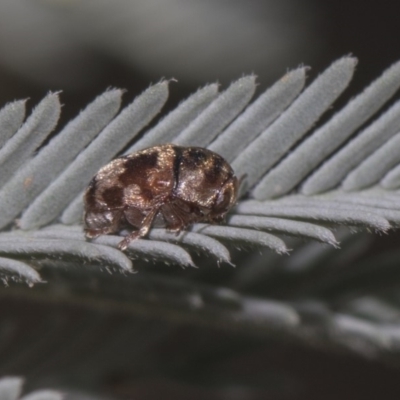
183, 185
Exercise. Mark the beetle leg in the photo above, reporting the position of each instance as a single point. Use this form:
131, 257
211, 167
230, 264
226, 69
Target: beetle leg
143, 230
173, 222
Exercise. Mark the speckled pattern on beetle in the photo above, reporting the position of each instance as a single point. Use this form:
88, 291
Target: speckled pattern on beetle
182, 185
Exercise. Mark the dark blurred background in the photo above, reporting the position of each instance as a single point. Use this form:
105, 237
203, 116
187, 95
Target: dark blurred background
82, 47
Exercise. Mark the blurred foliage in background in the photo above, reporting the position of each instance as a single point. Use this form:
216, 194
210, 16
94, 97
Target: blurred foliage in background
319, 323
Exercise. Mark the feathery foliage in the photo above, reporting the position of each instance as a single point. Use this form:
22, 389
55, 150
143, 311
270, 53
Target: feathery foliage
271, 142
306, 183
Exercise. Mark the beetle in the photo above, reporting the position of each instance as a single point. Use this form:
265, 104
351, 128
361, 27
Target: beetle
182, 185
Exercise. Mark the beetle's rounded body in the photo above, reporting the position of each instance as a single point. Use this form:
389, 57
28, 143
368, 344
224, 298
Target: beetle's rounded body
183, 185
